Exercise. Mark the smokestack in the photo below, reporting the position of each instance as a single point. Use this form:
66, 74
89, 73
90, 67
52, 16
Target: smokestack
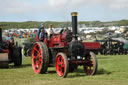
0, 34
74, 23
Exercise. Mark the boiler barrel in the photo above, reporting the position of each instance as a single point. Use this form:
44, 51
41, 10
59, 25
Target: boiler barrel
74, 23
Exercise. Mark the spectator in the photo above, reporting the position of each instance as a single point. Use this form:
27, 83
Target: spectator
7, 37
42, 35
39, 30
50, 31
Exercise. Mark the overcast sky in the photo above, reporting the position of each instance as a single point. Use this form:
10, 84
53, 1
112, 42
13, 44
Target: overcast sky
60, 10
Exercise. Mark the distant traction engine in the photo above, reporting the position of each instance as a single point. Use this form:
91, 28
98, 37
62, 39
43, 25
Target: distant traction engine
9, 52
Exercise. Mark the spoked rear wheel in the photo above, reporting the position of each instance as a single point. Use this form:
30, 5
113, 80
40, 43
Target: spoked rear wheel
17, 56
62, 65
91, 67
40, 57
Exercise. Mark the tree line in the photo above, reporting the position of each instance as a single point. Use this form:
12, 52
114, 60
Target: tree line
36, 24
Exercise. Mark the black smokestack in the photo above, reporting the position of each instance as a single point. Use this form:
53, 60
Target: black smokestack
74, 23
0, 34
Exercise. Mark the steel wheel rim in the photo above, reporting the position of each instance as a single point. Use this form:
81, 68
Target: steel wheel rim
89, 67
36, 58
60, 65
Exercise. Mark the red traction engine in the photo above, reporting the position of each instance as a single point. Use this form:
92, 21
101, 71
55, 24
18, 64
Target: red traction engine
9, 52
65, 52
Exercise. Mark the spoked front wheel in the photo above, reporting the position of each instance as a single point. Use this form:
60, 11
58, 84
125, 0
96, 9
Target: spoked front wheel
62, 65
91, 67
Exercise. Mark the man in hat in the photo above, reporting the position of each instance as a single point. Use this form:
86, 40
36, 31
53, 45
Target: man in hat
39, 30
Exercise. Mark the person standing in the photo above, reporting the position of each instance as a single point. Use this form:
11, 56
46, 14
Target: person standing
39, 30
50, 31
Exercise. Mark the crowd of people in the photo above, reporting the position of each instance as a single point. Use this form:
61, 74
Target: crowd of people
42, 33
20, 34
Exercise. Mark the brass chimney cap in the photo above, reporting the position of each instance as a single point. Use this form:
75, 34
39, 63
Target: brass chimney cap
74, 13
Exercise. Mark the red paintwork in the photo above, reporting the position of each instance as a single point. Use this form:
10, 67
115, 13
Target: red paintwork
46, 41
3, 51
56, 40
36, 38
78, 62
36, 62
90, 66
60, 65
91, 45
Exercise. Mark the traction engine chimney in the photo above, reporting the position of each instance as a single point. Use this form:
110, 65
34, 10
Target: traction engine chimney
74, 23
0, 34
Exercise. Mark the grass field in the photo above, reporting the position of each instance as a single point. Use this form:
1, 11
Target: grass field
112, 70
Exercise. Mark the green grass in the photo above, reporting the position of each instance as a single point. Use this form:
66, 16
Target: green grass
112, 70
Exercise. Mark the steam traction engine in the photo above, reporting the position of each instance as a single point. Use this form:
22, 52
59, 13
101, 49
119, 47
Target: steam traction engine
65, 52
9, 52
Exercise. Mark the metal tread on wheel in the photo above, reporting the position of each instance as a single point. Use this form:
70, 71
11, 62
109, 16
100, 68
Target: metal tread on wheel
62, 65
40, 57
17, 56
91, 67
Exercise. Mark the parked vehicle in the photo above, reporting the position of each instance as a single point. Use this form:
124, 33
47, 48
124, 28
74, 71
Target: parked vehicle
9, 52
113, 46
